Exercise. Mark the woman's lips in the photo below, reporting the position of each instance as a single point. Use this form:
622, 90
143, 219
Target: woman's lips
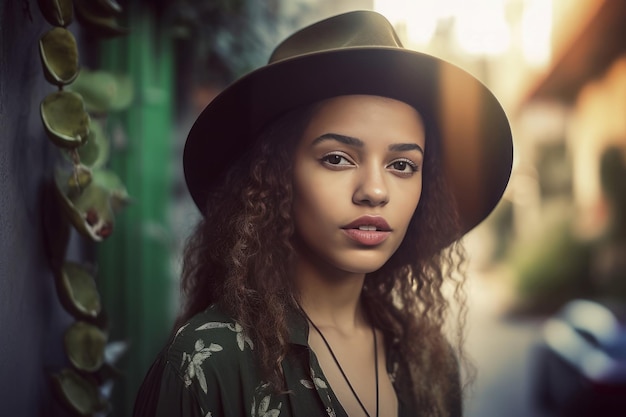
368, 230
367, 237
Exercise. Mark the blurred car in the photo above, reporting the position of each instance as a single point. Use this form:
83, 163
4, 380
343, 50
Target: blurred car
581, 361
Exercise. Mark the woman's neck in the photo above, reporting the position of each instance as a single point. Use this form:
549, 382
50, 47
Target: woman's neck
330, 297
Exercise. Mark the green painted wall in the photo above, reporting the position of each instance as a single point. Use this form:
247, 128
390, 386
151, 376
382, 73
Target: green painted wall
134, 273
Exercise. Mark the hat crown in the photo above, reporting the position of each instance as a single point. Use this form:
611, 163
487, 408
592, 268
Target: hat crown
349, 30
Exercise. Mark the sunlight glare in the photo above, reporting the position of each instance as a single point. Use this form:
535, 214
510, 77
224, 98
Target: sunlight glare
481, 27
477, 27
536, 30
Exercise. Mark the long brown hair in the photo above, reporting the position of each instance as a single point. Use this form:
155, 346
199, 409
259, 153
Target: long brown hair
240, 257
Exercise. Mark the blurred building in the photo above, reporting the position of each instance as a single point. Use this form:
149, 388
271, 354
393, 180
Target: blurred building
566, 116
579, 99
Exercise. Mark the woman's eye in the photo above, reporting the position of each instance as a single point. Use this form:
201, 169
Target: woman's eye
335, 159
403, 166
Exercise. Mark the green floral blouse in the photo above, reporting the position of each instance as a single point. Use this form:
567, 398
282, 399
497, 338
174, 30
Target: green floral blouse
208, 369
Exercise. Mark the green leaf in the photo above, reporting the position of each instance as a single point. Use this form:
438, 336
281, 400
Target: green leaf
78, 393
57, 12
78, 292
84, 346
59, 56
104, 91
92, 212
65, 119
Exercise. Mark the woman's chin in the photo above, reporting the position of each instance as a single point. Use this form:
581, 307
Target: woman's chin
362, 267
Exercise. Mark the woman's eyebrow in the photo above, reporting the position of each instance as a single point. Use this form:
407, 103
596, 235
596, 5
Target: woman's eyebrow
401, 147
351, 141
347, 140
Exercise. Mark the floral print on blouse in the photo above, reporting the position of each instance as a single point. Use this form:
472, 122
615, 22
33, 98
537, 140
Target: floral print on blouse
208, 369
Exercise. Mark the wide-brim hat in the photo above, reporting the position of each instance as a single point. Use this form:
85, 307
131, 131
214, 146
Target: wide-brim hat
360, 53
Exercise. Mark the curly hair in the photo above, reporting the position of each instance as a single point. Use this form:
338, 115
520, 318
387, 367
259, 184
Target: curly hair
240, 257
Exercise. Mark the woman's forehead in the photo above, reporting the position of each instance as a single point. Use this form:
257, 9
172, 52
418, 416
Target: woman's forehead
366, 116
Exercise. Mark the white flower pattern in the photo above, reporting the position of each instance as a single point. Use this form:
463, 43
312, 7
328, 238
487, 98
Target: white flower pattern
194, 362
263, 408
179, 331
242, 338
307, 383
322, 386
394, 372
319, 382
205, 352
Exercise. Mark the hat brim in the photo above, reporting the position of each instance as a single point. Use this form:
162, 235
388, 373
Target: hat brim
472, 126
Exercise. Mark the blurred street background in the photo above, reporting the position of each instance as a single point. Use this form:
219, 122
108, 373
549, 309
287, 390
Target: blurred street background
559, 234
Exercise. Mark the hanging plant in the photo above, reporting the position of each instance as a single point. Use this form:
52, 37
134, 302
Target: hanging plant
65, 119
78, 393
91, 209
88, 194
59, 56
57, 12
84, 344
103, 92
99, 17
77, 291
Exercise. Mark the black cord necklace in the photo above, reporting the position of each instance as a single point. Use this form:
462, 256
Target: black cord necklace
341, 369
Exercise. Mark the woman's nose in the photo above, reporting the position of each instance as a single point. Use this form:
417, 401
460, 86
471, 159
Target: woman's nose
371, 189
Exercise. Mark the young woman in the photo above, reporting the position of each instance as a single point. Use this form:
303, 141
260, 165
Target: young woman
335, 183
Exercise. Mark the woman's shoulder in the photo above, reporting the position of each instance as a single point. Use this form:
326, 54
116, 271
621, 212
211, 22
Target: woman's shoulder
207, 360
209, 333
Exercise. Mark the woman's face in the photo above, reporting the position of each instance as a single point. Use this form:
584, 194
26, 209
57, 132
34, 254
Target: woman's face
357, 181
